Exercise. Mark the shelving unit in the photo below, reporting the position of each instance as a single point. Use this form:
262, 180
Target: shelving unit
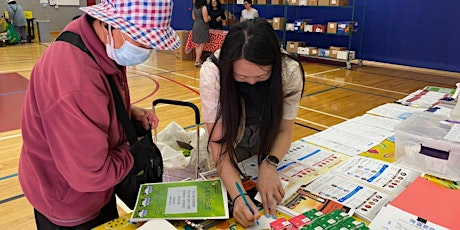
230, 6
355, 11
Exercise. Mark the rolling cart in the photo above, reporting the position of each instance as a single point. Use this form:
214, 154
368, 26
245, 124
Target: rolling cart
192, 171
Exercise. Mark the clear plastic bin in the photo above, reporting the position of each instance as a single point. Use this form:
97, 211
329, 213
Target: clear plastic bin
420, 145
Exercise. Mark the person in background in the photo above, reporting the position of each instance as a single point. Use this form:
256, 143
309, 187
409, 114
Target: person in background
16, 14
200, 29
217, 14
250, 92
248, 12
74, 149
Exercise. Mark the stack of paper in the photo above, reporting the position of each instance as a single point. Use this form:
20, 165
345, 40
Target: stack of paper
423, 205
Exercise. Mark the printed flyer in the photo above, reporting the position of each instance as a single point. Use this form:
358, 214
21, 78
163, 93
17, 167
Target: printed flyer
200, 199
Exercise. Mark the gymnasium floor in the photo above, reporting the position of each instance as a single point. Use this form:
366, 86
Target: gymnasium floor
332, 95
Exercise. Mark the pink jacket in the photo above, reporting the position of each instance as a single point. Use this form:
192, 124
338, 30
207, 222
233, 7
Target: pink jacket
73, 151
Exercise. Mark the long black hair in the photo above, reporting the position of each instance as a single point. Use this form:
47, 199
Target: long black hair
218, 5
200, 3
255, 41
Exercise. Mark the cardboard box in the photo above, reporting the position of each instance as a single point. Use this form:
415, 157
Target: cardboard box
303, 2
270, 21
293, 2
339, 2
292, 46
299, 24
180, 54
332, 27
323, 2
231, 19
183, 35
278, 23
299, 221
261, 2
313, 214
277, 2
334, 49
312, 2
308, 28
281, 224
325, 221
323, 53
342, 54
346, 27
317, 28
290, 26
302, 50
312, 51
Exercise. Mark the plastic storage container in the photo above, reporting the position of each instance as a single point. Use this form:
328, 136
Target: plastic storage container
421, 145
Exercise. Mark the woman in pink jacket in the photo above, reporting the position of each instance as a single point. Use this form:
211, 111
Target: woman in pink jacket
74, 148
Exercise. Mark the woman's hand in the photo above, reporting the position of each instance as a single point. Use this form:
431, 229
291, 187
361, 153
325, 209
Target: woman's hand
218, 19
146, 116
242, 214
270, 188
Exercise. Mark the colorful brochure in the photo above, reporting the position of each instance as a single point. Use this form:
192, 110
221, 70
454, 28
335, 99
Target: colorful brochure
199, 199
366, 200
378, 174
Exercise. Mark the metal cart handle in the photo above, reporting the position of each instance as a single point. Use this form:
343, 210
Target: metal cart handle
197, 125
181, 103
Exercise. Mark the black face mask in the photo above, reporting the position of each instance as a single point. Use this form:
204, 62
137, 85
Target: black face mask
254, 97
248, 88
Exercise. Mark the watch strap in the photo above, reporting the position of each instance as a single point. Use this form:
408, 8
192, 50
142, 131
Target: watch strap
272, 160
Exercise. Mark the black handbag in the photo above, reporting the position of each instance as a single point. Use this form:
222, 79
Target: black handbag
148, 162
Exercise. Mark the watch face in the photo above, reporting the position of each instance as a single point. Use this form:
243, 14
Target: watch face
273, 159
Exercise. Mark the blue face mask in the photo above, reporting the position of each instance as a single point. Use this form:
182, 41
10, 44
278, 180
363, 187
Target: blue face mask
128, 54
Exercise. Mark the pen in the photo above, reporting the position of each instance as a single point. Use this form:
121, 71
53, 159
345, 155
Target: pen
452, 121
244, 198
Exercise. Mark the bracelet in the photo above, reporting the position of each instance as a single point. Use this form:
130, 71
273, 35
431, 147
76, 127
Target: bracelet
236, 197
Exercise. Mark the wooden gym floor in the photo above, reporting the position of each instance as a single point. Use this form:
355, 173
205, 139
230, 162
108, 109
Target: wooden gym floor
332, 95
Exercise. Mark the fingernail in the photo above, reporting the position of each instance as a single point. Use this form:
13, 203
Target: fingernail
274, 217
267, 215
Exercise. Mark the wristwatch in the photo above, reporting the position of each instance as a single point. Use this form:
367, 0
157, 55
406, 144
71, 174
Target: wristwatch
272, 160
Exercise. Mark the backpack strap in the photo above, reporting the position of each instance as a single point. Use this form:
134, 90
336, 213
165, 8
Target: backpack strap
74, 39
213, 58
122, 114
14, 11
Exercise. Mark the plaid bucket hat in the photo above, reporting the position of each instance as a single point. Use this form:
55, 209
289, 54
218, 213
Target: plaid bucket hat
145, 21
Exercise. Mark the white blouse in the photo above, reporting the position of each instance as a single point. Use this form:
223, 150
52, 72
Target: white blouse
210, 88
249, 14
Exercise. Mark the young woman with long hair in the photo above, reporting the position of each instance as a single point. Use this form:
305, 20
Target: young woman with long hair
250, 92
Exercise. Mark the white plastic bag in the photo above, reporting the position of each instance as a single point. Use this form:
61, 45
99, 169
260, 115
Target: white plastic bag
171, 134
173, 157
203, 150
